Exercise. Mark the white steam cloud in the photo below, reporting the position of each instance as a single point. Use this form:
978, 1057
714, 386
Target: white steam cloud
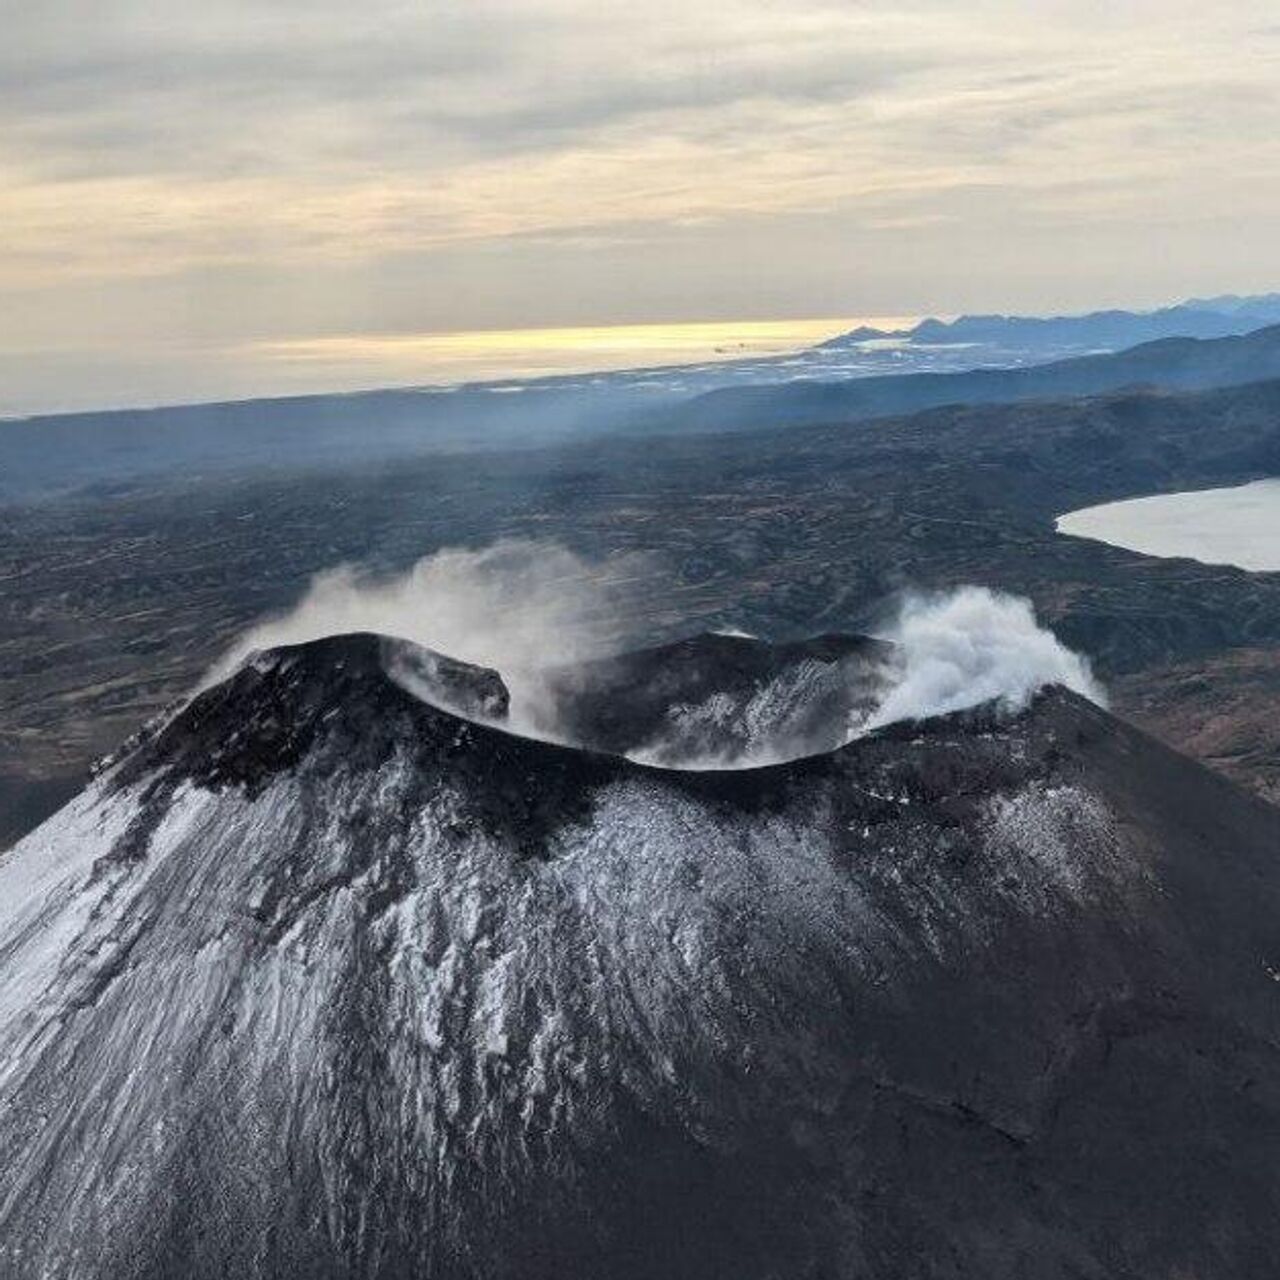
969, 646
517, 605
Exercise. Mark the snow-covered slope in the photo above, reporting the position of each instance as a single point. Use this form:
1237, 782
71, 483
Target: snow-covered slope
320, 980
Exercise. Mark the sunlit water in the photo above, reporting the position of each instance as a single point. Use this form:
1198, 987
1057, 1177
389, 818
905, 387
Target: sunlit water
748, 350
1239, 526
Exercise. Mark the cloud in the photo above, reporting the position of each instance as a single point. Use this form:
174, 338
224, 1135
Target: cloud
314, 148
298, 129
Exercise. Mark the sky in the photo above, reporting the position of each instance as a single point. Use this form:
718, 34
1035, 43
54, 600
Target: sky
205, 198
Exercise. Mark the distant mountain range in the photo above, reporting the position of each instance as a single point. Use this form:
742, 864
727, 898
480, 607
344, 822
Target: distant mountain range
1219, 317
868, 372
1181, 364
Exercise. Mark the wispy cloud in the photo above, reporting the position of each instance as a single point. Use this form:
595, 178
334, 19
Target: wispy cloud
140, 142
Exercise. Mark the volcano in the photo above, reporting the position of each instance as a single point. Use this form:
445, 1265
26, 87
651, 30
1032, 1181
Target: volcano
331, 975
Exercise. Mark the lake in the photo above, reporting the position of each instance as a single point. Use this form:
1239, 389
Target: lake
1238, 526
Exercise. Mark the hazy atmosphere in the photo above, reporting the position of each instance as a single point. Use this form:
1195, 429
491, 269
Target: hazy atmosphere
195, 194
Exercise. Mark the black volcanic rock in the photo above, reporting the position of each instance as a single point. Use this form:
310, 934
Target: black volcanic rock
323, 981
478, 693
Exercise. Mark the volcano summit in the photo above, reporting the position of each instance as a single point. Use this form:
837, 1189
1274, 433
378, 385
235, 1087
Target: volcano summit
319, 978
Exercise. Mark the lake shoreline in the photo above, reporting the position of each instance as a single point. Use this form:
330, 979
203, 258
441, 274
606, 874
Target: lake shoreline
1239, 525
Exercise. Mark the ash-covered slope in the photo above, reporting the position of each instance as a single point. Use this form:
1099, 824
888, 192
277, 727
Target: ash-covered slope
322, 981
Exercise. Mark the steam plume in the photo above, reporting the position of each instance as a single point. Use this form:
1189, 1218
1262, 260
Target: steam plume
962, 648
517, 605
